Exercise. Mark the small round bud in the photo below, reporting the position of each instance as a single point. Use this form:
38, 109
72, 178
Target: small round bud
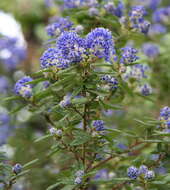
149, 174
79, 173
59, 132
132, 172
78, 180
53, 131
17, 168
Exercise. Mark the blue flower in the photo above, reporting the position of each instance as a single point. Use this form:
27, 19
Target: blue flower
52, 57
66, 101
151, 50
99, 125
70, 4
101, 175
22, 89
78, 180
117, 11
143, 26
156, 29
132, 172
59, 26
100, 43
143, 169
17, 168
111, 81
128, 55
162, 15
165, 113
149, 175
4, 84
71, 46
137, 12
146, 90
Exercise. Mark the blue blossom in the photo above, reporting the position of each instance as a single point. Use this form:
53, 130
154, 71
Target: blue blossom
132, 172
71, 46
117, 11
128, 55
54, 131
11, 54
66, 101
137, 12
111, 81
79, 173
52, 57
22, 89
162, 15
60, 25
160, 170
4, 84
46, 84
99, 125
17, 168
165, 113
143, 169
144, 26
146, 90
156, 29
152, 4
101, 175
78, 180
70, 4
93, 11
122, 146
100, 43
149, 175
150, 49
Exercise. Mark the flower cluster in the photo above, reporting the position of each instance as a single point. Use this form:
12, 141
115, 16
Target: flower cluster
112, 81
99, 125
150, 50
134, 172
11, 54
146, 90
22, 89
157, 29
115, 10
137, 20
162, 15
100, 43
128, 55
17, 168
165, 118
56, 132
66, 101
60, 25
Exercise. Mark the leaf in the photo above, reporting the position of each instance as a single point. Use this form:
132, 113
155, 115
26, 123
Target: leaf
81, 137
30, 163
11, 98
43, 138
79, 100
35, 81
51, 187
68, 187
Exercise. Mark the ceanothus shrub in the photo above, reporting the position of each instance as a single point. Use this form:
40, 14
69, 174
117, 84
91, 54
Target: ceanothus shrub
85, 74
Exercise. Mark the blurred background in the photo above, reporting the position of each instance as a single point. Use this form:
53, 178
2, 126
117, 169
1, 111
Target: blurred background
22, 41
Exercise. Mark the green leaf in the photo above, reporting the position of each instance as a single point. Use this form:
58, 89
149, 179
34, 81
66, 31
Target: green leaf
51, 187
43, 138
35, 81
69, 187
11, 98
31, 163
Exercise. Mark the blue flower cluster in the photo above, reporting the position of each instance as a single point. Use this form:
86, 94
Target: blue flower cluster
146, 90
17, 168
60, 25
100, 43
137, 20
66, 101
11, 54
71, 48
79, 177
115, 10
151, 50
111, 81
70, 4
99, 125
134, 172
4, 84
128, 55
162, 15
152, 4
165, 118
22, 89
157, 29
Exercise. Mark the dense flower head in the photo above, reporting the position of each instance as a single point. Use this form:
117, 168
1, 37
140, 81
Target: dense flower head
99, 125
100, 43
132, 172
156, 29
4, 84
115, 10
162, 15
165, 113
11, 54
110, 80
71, 46
60, 25
17, 168
149, 175
146, 90
137, 12
137, 72
22, 89
150, 49
128, 55
52, 57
